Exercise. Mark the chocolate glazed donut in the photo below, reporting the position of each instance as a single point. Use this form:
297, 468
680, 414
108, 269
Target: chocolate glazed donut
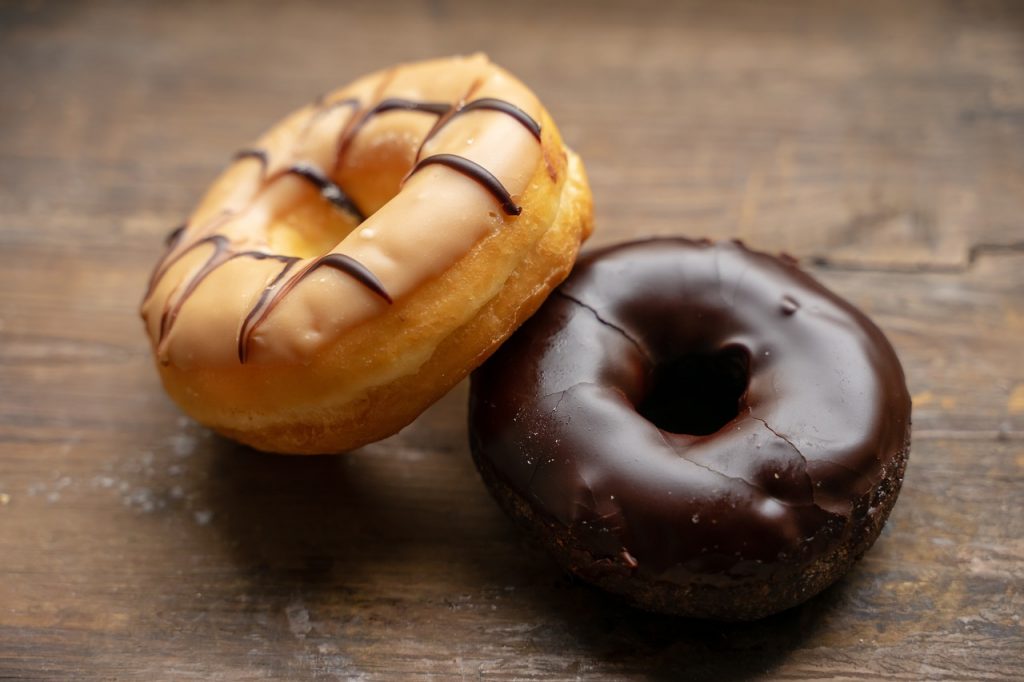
701, 428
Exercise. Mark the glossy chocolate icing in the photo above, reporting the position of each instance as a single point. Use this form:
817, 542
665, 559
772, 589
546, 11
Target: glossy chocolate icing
820, 413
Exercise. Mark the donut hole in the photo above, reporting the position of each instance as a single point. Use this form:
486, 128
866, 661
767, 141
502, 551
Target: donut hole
311, 228
698, 393
371, 176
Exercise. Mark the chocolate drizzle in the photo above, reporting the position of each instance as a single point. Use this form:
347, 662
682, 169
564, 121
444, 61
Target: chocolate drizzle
327, 187
323, 109
398, 104
493, 104
172, 238
173, 254
475, 171
219, 256
289, 276
329, 190
359, 272
484, 103
259, 311
279, 287
253, 153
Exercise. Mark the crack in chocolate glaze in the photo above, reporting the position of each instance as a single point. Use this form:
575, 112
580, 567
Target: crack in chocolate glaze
811, 488
683, 456
736, 286
783, 438
620, 330
752, 484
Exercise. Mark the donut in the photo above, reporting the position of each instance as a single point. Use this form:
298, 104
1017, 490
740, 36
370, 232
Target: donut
698, 427
364, 255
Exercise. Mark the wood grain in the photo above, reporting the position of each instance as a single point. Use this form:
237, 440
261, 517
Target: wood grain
880, 142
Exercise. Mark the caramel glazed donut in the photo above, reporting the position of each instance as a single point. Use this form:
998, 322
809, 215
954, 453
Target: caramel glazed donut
701, 428
368, 253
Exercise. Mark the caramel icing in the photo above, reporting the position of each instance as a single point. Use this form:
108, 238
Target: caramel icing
408, 169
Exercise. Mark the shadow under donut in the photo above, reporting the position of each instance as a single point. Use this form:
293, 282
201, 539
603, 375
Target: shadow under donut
404, 534
628, 640
351, 523
607, 634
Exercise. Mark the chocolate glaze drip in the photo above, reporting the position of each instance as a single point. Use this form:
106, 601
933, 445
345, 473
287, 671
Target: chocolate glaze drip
173, 254
439, 109
353, 268
259, 311
279, 287
328, 188
395, 103
493, 104
253, 153
823, 414
488, 103
475, 171
172, 238
286, 279
324, 109
219, 256
222, 253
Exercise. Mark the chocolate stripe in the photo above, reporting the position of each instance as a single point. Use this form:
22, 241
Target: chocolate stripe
172, 255
253, 153
390, 104
439, 109
256, 314
328, 189
174, 236
279, 288
492, 104
219, 256
475, 171
355, 269
393, 103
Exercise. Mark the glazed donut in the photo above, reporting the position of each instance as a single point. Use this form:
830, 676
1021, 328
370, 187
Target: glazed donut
701, 428
365, 255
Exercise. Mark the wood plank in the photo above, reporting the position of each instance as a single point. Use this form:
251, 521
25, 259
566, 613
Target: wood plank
394, 562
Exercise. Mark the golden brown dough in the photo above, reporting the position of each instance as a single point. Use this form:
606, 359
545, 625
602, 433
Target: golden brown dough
365, 255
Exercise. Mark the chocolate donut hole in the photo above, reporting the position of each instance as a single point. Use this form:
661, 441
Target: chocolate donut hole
698, 393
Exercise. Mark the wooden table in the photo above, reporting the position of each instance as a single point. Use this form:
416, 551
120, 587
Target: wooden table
881, 142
